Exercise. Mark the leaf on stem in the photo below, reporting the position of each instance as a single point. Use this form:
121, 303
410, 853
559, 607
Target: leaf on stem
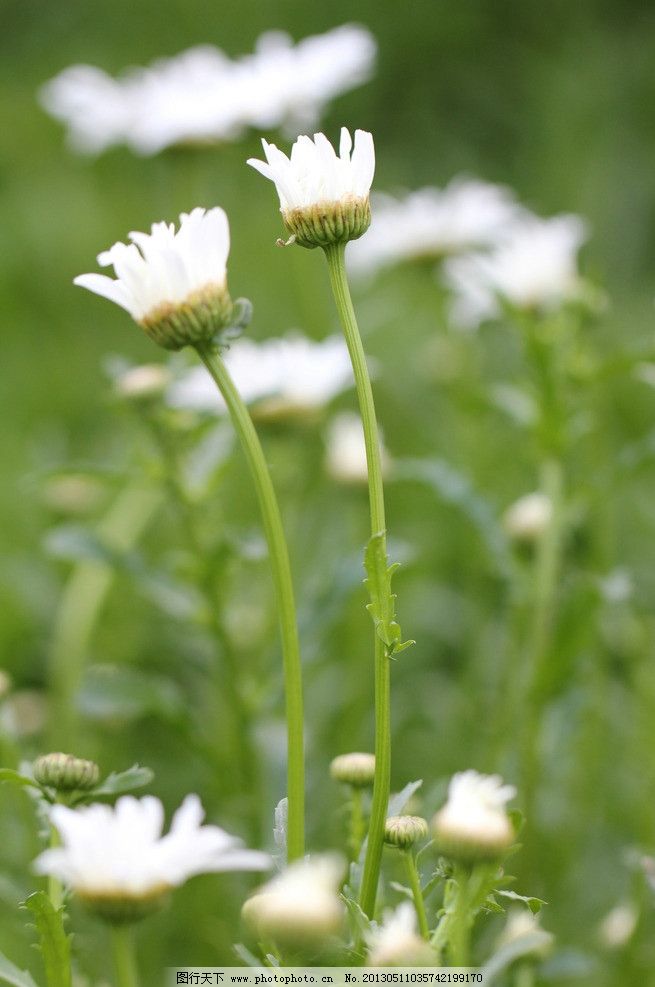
120, 782
382, 607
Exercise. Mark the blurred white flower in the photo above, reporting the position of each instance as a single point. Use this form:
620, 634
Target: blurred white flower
202, 95
432, 223
528, 517
299, 375
534, 266
173, 283
397, 942
521, 924
345, 450
300, 905
619, 925
185, 99
95, 107
141, 382
473, 824
116, 855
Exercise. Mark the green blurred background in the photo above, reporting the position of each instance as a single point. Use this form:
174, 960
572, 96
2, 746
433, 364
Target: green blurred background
553, 100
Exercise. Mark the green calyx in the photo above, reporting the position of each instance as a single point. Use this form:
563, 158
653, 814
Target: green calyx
196, 320
328, 222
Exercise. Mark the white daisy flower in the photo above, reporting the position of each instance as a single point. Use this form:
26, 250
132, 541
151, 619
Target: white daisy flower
324, 197
117, 860
473, 824
301, 905
432, 223
201, 95
95, 107
290, 376
533, 267
396, 942
173, 283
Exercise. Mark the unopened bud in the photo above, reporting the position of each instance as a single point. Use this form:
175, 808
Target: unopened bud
354, 769
528, 517
65, 772
404, 831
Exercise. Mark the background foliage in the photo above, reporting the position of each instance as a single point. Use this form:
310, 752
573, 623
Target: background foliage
555, 101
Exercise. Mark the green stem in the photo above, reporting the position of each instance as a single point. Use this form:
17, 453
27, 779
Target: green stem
122, 937
335, 255
55, 890
547, 567
356, 823
460, 929
279, 559
81, 604
417, 893
524, 975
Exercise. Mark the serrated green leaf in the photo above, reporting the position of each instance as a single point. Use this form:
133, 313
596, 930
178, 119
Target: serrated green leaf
54, 942
534, 904
120, 782
382, 607
10, 974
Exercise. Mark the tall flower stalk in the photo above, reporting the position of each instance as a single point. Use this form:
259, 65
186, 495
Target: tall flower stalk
324, 201
281, 570
174, 284
335, 256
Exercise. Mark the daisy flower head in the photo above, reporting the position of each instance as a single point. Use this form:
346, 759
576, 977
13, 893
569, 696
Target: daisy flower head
533, 268
324, 196
301, 906
172, 282
473, 824
118, 862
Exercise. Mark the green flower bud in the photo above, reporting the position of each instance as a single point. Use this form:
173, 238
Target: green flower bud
65, 772
354, 769
404, 831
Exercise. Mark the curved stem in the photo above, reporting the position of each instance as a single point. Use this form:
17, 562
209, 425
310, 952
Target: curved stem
281, 571
335, 255
417, 893
122, 940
